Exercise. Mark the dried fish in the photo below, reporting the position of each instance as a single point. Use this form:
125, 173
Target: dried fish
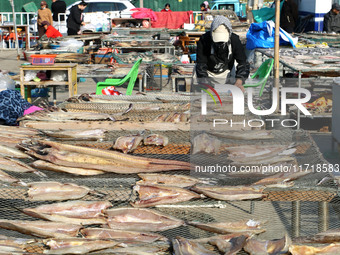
271, 247
42, 228
5, 248
7, 178
329, 249
77, 245
245, 135
137, 250
13, 165
121, 236
84, 135
127, 143
156, 139
206, 143
138, 219
44, 165
152, 195
230, 193
12, 152
229, 245
329, 236
181, 181
248, 226
42, 191
184, 246
79, 212
124, 163
19, 130
282, 177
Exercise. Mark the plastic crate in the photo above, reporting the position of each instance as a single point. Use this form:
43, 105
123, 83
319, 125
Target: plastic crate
43, 59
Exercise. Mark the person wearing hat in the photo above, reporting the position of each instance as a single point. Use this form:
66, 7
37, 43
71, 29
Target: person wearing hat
75, 19
44, 14
217, 51
51, 32
331, 21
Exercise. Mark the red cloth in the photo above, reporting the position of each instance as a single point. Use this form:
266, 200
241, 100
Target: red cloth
141, 13
172, 20
51, 32
163, 10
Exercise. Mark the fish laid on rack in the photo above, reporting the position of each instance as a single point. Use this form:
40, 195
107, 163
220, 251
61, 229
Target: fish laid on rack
184, 246
6, 248
13, 165
105, 160
230, 193
329, 236
229, 245
207, 144
259, 247
137, 250
245, 135
6, 151
17, 130
173, 117
12, 241
49, 191
83, 135
156, 139
181, 181
152, 195
243, 226
128, 143
121, 235
263, 170
329, 249
282, 177
77, 245
42, 228
138, 219
11, 142
4, 177
66, 116
77, 212
44, 165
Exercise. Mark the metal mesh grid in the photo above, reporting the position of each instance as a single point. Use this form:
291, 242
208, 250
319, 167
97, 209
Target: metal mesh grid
182, 97
278, 213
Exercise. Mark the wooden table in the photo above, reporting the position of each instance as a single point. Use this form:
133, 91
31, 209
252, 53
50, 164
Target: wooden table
25, 28
71, 82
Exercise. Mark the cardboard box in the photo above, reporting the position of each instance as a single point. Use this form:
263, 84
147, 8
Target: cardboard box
102, 59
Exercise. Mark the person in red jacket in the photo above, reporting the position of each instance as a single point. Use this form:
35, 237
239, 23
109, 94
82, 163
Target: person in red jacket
166, 8
51, 32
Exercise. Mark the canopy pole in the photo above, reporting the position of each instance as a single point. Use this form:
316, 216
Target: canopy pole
15, 29
141, 3
277, 52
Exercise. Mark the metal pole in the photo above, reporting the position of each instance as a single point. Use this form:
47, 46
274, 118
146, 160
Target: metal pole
15, 29
323, 216
296, 218
277, 52
141, 3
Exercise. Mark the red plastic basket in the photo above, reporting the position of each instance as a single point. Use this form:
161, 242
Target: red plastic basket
43, 59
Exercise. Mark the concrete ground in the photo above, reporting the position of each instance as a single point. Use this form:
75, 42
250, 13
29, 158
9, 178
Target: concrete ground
9, 62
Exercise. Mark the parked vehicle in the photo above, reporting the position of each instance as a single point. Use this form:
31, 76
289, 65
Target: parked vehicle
232, 5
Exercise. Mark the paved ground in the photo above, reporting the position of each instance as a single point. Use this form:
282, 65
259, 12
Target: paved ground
8, 61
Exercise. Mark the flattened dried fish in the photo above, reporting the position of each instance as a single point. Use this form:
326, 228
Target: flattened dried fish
127, 143
329, 236
333, 248
19, 130
282, 177
152, 195
66, 116
245, 135
137, 219
4, 177
206, 143
136, 250
42, 191
230, 193
87, 135
181, 181
79, 212
42, 228
121, 236
183, 246
156, 139
12, 152
76, 245
229, 245
44, 165
5, 248
248, 226
271, 247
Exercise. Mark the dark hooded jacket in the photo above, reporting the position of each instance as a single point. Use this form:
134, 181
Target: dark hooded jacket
74, 20
221, 59
331, 22
57, 7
